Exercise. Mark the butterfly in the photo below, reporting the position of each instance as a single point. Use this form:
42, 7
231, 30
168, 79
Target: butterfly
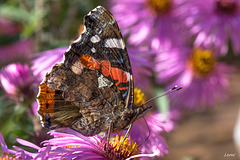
91, 91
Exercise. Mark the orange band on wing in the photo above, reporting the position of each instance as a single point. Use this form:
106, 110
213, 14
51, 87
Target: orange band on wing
122, 88
116, 73
90, 62
46, 100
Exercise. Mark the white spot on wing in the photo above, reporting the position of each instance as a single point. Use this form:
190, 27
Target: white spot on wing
93, 50
77, 67
103, 82
114, 43
95, 39
128, 75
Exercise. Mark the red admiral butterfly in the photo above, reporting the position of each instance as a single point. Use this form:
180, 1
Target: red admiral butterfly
91, 91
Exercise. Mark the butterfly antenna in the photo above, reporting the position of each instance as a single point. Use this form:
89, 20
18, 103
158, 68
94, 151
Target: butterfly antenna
174, 89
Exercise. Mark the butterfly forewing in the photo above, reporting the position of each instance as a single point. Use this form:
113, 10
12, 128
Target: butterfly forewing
103, 42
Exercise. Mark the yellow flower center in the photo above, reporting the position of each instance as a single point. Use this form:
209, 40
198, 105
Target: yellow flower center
226, 6
8, 157
139, 98
201, 62
159, 6
129, 148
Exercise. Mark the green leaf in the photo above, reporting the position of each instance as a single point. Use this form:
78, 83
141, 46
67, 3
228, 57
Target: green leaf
15, 13
33, 21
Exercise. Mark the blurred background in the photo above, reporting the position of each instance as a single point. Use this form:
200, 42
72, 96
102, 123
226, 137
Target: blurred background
191, 44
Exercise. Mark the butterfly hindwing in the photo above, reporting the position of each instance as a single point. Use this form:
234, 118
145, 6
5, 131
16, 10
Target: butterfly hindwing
54, 110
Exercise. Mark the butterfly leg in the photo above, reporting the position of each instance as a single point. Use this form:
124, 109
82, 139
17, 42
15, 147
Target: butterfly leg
108, 133
125, 136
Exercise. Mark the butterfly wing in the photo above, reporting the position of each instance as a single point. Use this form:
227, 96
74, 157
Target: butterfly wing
101, 47
95, 80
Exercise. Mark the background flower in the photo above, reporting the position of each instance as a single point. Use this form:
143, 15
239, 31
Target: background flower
6, 151
44, 61
159, 36
214, 22
7, 27
147, 21
12, 48
73, 145
141, 62
20, 91
203, 78
157, 125
18, 82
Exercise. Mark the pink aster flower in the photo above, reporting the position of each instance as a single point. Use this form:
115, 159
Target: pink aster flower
7, 27
141, 62
77, 146
203, 78
18, 82
16, 51
44, 61
214, 22
3, 144
73, 145
6, 152
11, 51
19, 85
150, 20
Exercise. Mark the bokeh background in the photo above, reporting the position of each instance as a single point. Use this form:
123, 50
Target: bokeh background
191, 44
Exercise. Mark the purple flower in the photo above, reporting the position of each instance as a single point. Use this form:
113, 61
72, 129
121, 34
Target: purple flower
203, 78
149, 21
214, 22
157, 125
7, 27
18, 82
139, 57
10, 49
141, 63
42, 153
6, 152
19, 50
77, 146
44, 61
3, 144
73, 145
